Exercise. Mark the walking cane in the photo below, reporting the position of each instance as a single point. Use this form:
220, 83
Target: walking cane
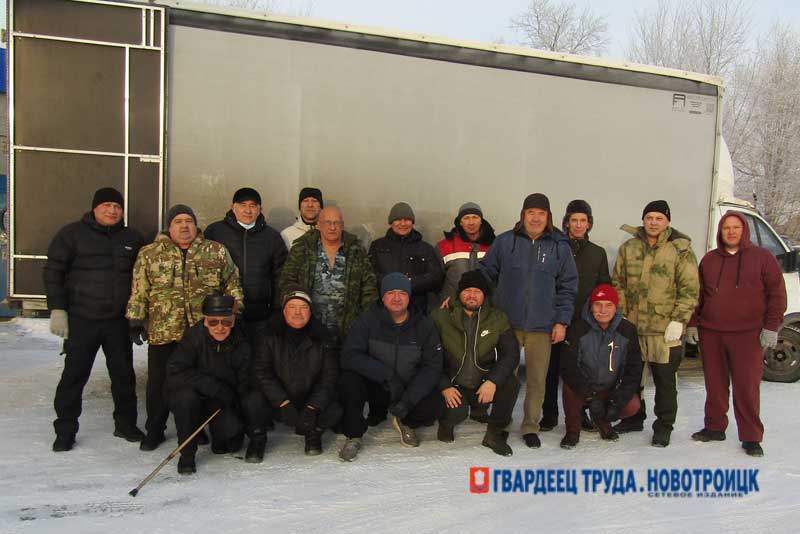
135, 491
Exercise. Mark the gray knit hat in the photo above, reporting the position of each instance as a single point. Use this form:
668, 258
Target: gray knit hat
401, 210
180, 209
469, 208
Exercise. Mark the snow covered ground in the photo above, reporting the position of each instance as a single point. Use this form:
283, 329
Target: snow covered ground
388, 489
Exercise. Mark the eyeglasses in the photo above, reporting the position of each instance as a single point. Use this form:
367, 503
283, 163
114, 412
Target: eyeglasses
227, 323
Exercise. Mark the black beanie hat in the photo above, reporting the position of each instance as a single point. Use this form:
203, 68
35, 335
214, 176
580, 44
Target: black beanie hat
312, 192
247, 193
107, 194
401, 210
180, 209
658, 206
218, 305
536, 200
577, 206
474, 279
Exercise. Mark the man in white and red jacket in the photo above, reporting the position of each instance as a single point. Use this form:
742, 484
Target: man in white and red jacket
740, 310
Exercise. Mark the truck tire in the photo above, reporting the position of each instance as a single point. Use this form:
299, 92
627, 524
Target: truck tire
782, 364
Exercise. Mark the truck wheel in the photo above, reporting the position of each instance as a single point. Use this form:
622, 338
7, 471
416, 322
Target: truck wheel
782, 364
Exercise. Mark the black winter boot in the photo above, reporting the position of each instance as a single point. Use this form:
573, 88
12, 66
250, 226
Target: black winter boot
186, 465
445, 433
256, 448
497, 440
707, 435
313, 445
63, 443
570, 440
129, 433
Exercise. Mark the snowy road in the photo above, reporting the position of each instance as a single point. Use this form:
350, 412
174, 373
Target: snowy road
388, 489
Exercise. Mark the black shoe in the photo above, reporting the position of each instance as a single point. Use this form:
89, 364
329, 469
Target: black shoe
532, 441
255, 449
548, 423
497, 440
186, 465
63, 443
753, 448
235, 444
479, 413
132, 434
707, 435
661, 438
151, 442
586, 423
313, 445
570, 440
202, 438
609, 435
630, 424
445, 433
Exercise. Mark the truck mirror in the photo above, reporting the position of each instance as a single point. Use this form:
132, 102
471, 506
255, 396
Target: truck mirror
789, 261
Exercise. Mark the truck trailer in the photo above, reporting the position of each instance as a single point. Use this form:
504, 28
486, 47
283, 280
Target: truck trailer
173, 102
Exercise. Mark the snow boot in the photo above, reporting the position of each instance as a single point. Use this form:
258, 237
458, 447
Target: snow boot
707, 435
313, 445
408, 436
63, 443
661, 438
753, 448
151, 442
186, 464
256, 447
350, 449
634, 423
497, 440
445, 433
129, 433
532, 441
570, 440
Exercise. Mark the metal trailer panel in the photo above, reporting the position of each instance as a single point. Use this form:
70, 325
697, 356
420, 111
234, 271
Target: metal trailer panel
371, 129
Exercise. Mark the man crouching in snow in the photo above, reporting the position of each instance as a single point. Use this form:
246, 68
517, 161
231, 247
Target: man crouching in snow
295, 377
391, 358
601, 365
209, 369
481, 354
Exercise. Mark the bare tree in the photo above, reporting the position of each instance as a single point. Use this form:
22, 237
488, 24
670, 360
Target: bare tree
562, 27
700, 35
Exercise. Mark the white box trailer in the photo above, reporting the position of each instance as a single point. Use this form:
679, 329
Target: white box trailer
186, 103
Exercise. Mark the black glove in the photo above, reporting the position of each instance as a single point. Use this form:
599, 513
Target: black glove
399, 409
307, 421
138, 334
226, 397
597, 408
395, 387
612, 411
289, 414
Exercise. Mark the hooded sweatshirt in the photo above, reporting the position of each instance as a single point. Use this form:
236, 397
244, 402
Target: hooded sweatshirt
742, 291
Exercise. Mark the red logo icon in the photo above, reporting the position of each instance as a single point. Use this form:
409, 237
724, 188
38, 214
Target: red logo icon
479, 480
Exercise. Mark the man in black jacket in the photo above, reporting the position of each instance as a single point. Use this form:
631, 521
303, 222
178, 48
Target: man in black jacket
294, 376
259, 253
402, 250
592, 264
210, 369
480, 355
392, 359
87, 279
601, 363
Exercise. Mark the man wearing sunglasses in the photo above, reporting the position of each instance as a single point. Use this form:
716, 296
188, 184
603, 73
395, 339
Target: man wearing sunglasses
208, 370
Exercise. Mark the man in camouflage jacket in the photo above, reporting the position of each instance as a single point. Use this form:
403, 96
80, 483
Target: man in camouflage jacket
171, 278
331, 266
656, 278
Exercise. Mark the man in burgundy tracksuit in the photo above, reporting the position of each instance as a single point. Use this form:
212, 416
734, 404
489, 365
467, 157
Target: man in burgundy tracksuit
740, 310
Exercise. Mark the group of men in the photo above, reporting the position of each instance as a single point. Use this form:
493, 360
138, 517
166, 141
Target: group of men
250, 327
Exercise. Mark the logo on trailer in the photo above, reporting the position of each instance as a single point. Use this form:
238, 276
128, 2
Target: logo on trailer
479, 480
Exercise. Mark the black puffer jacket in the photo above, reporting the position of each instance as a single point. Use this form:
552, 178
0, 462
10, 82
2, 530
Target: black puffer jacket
89, 267
592, 263
300, 372
259, 253
379, 350
414, 258
203, 364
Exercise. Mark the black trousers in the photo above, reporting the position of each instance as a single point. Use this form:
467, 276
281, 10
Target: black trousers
666, 388
157, 407
264, 413
86, 336
502, 406
190, 409
550, 404
355, 391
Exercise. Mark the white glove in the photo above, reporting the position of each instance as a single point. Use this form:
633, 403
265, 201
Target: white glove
59, 324
768, 339
674, 331
692, 335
